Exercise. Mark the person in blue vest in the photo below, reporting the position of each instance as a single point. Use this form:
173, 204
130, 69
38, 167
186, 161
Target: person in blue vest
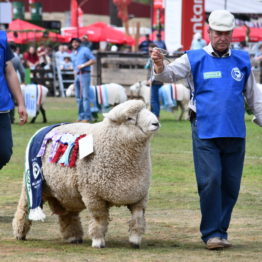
9, 87
82, 59
220, 79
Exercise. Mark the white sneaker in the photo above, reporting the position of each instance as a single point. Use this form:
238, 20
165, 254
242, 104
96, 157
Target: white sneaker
214, 243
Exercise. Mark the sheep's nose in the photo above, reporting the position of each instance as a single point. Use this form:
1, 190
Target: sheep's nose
156, 124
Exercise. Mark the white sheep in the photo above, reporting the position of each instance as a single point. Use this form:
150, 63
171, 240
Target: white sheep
116, 174
115, 92
181, 95
34, 93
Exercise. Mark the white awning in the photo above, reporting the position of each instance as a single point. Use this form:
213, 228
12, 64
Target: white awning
235, 6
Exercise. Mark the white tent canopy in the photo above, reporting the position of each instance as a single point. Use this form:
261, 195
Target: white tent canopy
235, 6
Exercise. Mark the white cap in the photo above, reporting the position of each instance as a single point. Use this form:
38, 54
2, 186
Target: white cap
221, 20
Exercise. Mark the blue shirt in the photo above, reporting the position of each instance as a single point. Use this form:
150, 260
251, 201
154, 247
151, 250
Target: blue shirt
160, 44
80, 56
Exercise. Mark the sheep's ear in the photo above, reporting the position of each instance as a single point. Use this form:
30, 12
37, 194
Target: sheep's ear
125, 110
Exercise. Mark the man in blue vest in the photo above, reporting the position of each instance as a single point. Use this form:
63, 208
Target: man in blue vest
220, 79
82, 59
9, 85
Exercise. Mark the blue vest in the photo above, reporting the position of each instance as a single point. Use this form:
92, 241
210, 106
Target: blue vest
6, 102
219, 84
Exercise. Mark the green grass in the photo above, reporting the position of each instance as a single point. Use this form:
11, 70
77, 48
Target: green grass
173, 209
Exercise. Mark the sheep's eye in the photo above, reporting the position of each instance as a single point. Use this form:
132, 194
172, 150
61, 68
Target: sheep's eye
131, 120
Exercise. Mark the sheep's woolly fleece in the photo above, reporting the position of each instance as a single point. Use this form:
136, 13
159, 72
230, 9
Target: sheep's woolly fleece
117, 173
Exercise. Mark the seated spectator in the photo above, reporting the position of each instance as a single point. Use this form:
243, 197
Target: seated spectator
143, 46
44, 59
159, 42
67, 63
63, 51
31, 58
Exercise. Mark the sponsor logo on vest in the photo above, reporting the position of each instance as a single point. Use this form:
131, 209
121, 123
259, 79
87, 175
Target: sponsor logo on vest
237, 74
215, 74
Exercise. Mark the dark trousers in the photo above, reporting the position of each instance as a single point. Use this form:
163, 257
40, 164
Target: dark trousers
218, 167
155, 103
6, 142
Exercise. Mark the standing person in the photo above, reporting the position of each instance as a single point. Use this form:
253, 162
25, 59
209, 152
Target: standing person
219, 79
20, 71
82, 59
155, 85
159, 42
143, 46
197, 42
9, 86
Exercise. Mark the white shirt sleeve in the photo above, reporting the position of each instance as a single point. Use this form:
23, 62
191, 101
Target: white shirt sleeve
254, 99
178, 69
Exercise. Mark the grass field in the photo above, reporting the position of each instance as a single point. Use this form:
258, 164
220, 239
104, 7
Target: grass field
173, 209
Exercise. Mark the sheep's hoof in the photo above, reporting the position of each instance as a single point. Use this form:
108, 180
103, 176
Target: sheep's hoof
77, 241
135, 246
135, 240
98, 243
20, 238
74, 240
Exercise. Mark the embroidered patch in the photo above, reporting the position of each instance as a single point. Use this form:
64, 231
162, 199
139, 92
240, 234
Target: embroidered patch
215, 74
36, 170
237, 74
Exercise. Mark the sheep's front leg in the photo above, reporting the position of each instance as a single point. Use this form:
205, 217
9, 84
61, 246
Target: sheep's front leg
136, 225
71, 228
99, 211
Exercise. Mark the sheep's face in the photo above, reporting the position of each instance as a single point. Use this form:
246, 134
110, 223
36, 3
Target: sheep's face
133, 116
147, 121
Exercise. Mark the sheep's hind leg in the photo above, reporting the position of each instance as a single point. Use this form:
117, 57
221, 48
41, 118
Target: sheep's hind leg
21, 224
99, 211
71, 228
136, 225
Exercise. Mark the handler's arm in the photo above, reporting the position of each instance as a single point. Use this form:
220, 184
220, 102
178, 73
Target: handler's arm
15, 89
254, 99
177, 70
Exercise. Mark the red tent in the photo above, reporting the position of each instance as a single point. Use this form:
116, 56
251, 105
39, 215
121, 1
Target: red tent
22, 32
255, 34
98, 32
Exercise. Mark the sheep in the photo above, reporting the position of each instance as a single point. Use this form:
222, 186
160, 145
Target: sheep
115, 93
39, 94
117, 173
180, 97
140, 90
102, 97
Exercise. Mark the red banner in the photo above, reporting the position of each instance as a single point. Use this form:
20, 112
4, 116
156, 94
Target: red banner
193, 20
